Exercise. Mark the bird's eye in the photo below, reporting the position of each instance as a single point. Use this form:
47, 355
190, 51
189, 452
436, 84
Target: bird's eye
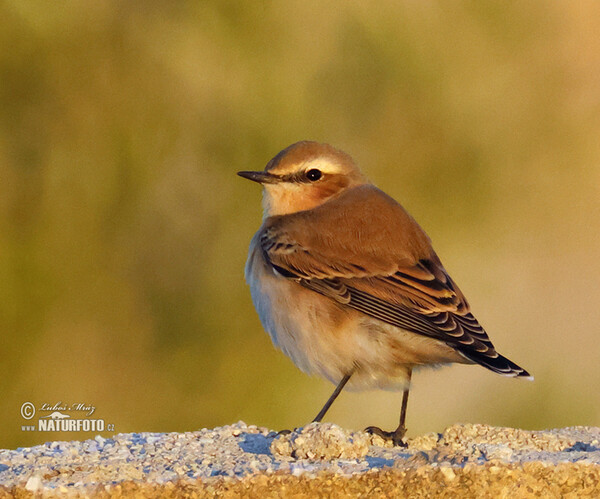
313, 175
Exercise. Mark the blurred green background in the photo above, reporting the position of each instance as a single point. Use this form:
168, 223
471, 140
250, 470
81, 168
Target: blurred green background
124, 229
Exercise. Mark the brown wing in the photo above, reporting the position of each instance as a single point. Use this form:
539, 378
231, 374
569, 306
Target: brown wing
393, 274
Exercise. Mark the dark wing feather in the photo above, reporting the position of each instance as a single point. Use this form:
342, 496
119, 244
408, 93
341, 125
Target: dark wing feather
429, 306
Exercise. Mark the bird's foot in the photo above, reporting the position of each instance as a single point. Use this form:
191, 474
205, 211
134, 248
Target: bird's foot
397, 436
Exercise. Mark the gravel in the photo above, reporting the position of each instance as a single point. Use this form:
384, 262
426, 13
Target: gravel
319, 459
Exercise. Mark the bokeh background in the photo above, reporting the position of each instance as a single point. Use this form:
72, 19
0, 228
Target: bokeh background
124, 229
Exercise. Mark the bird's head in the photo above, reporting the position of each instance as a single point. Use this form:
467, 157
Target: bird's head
304, 176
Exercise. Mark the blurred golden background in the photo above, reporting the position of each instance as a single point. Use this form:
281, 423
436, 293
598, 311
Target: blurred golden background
124, 229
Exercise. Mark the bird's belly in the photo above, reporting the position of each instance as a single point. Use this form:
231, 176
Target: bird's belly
325, 338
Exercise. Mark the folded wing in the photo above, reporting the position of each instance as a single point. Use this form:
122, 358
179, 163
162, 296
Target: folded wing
392, 275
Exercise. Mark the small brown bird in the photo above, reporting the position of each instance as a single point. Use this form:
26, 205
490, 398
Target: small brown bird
347, 283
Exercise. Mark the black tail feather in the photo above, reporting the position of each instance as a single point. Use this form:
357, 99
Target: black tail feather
500, 364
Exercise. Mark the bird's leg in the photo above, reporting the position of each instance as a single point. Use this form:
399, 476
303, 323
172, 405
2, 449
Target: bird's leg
334, 395
327, 405
396, 436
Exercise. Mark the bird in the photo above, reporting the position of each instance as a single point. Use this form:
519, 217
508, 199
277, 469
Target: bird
347, 283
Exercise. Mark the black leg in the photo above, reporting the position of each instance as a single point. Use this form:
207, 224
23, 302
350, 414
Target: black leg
334, 395
396, 436
401, 426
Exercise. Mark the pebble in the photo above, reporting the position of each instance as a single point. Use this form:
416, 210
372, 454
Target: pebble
228, 454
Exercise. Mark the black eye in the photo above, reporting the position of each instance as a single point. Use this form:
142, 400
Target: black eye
313, 175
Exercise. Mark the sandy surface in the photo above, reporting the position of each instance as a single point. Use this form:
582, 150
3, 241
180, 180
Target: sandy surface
317, 460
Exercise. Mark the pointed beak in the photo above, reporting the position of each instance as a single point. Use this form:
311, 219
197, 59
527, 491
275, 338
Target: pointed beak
260, 177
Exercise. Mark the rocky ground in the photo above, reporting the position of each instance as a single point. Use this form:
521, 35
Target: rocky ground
317, 460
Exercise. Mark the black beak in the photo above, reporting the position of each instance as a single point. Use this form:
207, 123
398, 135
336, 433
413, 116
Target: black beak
260, 177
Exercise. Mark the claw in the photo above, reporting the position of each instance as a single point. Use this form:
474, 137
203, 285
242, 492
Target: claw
397, 437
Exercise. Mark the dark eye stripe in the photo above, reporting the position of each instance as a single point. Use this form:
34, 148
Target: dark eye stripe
300, 176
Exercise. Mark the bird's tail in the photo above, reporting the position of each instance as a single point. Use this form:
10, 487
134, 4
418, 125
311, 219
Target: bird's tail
499, 364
